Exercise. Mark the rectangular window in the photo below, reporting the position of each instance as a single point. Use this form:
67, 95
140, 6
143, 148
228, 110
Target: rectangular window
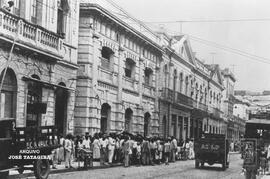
34, 11
16, 7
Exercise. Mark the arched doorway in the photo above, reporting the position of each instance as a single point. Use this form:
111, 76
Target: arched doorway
61, 100
105, 117
164, 122
128, 119
8, 102
34, 98
147, 118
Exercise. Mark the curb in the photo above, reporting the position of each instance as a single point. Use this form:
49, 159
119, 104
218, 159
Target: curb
65, 171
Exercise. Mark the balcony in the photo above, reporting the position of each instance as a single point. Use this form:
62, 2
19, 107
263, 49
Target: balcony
30, 35
200, 106
215, 112
184, 100
167, 94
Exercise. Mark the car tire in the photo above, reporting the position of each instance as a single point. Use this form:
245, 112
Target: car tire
41, 169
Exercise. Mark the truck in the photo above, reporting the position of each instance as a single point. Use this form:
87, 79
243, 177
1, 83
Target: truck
28, 148
211, 149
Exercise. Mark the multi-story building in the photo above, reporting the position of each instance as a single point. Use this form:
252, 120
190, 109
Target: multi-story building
228, 102
133, 79
38, 57
190, 92
117, 76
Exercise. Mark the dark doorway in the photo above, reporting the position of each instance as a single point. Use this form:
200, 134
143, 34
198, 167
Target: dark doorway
147, 118
105, 117
34, 97
8, 103
61, 97
128, 119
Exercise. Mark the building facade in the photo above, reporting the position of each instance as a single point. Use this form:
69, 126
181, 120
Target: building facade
117, 77
190, 100
38, 57
228, 103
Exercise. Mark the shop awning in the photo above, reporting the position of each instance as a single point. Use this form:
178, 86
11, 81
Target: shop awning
45, 83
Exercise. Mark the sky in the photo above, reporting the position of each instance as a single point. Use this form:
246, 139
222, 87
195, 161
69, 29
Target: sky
252, 37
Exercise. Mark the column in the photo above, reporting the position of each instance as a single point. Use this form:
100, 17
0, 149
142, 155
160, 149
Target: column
188, 128
141, 65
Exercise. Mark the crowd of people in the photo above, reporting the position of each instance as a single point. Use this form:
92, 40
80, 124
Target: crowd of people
123, 148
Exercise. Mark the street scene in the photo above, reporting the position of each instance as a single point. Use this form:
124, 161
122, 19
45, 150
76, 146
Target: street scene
134, 89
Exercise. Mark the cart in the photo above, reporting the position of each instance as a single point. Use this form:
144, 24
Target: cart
85, 156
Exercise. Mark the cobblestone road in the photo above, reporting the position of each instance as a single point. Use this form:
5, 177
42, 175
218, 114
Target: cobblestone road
180, 169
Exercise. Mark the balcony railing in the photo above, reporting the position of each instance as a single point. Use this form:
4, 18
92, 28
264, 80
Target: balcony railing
167, 94
29, 34
215, 111
200, 106
184, 100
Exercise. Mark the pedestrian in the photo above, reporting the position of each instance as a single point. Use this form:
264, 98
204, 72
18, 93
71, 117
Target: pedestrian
138, 153
187, 149
96, 148
61, 151
191, 149
102, 150
111, 147
126, 149
68, 151
173, 148
86, 142
117, 150
167, 151
145, 152
153, 148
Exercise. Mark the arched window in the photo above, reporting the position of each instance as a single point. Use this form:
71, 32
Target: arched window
147, 118
148, 75
196, 91
107, 58
174, 79
130, 68
211, 95
105, 117
181, 82
166, 73
186, 82
128, 120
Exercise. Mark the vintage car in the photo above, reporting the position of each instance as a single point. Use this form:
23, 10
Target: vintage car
31, 146
211, 149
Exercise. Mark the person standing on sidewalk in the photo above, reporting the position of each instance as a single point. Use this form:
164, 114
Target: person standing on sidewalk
96, 148
173, 148
111, 147
126, 149
68, 150
167, 151
102, 150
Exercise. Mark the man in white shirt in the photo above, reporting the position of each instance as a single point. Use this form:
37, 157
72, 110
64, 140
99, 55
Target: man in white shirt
111, 147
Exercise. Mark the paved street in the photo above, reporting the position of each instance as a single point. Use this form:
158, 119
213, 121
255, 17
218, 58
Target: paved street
180, 169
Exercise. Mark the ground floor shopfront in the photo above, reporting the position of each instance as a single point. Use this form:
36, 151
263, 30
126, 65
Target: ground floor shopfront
37, 91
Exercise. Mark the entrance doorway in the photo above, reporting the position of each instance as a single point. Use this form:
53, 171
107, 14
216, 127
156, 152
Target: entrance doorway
128, 119
105, 117
147, 118
8, 103
61, 99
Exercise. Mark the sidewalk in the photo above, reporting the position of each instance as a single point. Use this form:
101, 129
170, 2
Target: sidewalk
61, 169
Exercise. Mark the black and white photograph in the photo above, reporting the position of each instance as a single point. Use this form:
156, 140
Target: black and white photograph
134, 89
